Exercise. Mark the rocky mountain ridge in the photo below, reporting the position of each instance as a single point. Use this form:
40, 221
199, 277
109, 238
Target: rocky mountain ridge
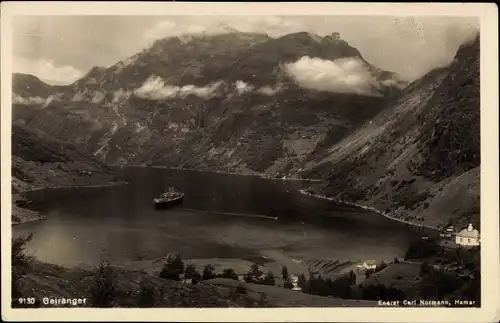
189, 90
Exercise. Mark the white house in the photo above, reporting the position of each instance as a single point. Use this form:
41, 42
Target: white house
295, 282
370, 264
468, 237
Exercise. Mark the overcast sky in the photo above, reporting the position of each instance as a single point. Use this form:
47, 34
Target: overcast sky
61, 49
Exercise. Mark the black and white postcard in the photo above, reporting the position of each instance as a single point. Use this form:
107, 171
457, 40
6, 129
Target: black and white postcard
250, 162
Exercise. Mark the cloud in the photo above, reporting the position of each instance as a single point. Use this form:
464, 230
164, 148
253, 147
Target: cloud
401, 84
346, 75
32, 100
243, 87
269, 90
46, 70
120, 95
154, 88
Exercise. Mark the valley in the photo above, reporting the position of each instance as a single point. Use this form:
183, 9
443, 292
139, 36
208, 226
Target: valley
297, 106
400, 148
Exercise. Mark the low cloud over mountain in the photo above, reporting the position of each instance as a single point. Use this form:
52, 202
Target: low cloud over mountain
345, 75
31, 100
155, 89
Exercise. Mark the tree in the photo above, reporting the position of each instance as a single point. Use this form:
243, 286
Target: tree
191, 273
248, 278
177, 263
173, 268
208, 272
269, 279
341, 287
319, 286
288, 284
284, 273
382, 265
229, 273
425, 269
255, 271
103, 288
20, 263
302, 282
146, 294
253, 275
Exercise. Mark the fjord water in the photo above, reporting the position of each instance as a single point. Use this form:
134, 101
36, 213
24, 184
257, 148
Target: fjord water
121, 223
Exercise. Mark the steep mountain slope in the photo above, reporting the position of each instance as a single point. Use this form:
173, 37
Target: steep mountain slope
39, 161
43, 160
418, 160
216, 96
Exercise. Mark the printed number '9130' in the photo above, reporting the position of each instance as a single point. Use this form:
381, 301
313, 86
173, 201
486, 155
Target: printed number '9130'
26, 301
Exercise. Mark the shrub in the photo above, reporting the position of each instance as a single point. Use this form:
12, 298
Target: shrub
103, 287
191, 273
269, 279
288, 284
253, 275
173, 268
382, 265
167, 272
20, 262
229, 273
146, 294
208, 272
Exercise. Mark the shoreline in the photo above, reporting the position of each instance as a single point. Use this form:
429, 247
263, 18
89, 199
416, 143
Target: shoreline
109, 184
370, 208
260, 175
41, 216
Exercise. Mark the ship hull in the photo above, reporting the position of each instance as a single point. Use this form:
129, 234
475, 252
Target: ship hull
166, 204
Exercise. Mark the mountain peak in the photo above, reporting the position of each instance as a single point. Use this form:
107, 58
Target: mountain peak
301, 36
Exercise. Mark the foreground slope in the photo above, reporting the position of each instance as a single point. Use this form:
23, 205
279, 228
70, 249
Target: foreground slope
43, 280
420, 159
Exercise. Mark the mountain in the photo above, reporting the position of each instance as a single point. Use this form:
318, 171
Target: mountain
419, 159
235, 102
40, 160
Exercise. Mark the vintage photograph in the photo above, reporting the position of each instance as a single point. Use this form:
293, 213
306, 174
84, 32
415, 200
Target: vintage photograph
250, 161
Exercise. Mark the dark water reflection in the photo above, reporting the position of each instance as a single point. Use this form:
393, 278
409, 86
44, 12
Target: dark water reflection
85, 223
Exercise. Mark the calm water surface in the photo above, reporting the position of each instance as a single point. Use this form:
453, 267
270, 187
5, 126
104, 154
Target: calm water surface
121, 222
